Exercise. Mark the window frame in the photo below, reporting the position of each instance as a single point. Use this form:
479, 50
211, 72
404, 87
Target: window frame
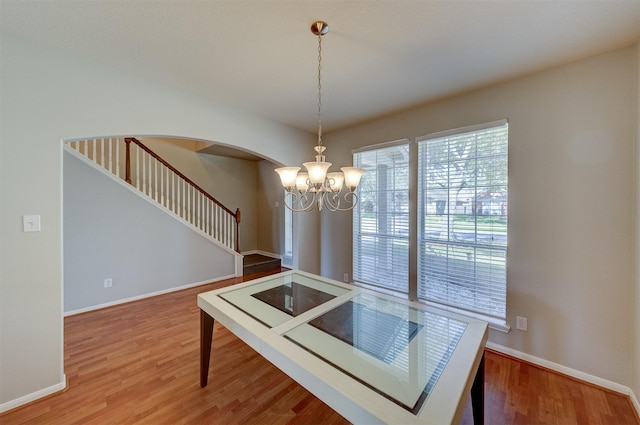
357, 233
498, 323
496, 318
289, 251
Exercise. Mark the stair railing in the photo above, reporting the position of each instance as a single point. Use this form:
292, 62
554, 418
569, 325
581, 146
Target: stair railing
160, 181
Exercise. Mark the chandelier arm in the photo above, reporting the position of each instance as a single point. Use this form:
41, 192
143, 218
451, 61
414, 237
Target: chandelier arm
303, 200
333, 201
309, 200
353, 201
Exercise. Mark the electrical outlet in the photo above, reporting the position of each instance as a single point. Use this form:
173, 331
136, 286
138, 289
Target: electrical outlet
108, 283
521, 323
345, 278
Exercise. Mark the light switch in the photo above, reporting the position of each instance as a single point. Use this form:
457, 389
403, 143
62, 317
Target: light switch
30, 223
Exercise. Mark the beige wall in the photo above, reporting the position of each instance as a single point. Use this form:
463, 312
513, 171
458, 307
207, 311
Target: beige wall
110, 231
270, 224
572, 135
306, 234
48, 96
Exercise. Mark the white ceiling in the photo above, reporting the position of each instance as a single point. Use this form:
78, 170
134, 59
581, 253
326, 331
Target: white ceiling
379, 56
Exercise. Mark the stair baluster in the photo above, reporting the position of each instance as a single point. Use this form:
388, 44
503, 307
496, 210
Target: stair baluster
167, 186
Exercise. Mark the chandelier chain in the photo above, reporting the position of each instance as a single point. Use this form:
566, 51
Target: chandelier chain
319, 89
316, 187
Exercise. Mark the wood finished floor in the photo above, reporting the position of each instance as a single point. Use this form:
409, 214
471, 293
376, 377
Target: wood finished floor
138, 363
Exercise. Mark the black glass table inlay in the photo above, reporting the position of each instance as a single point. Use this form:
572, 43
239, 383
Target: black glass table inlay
293, 298
379, 334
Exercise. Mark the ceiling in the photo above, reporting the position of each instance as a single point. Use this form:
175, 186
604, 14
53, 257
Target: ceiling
379, 57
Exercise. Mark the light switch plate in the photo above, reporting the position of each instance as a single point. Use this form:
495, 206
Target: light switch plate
30, 223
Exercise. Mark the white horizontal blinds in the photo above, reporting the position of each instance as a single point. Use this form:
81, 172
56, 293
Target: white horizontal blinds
381, 218
462, 219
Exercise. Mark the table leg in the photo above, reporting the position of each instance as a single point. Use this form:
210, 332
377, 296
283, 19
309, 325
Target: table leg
477, 394
206, 338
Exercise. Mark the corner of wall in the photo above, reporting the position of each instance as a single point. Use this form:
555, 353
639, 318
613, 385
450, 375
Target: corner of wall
636, 358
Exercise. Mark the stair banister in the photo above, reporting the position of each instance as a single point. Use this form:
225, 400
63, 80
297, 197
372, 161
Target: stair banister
235, 215
218, 217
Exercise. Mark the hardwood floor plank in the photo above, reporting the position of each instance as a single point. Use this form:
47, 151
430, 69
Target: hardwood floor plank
139, 363
521, 393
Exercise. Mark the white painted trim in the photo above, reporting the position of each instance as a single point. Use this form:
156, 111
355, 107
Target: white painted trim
634, 402
462, 130
60, 386
383, 145
143, 296
582, 376
61, 311
265, 253
238, 264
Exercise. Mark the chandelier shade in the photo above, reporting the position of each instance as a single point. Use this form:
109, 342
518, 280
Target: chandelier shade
317, 171
288, 176
336, 181
317, 187
352, 176
301, 182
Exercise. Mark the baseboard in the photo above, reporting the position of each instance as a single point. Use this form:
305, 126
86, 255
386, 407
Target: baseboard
635, 403
20, 401
266, 254
141, 297
573, 373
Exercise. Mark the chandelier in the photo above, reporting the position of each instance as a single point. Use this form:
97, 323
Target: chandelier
317, 187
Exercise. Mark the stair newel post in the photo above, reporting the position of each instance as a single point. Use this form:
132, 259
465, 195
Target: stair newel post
127, 164
237, 229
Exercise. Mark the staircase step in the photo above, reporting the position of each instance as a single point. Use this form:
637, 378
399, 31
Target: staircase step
255, 263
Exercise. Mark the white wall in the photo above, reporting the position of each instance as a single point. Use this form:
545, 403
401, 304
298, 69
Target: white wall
112, 232
572, 132
47, 96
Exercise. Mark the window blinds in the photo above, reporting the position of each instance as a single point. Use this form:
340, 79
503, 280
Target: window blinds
462, 219
381, 218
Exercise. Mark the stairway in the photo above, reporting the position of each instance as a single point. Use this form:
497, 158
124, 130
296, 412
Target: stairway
127, 159
256, 263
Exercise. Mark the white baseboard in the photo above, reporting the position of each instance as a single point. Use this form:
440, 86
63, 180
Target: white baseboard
585, 377
635, 402
141, 297
266, 254
4, 407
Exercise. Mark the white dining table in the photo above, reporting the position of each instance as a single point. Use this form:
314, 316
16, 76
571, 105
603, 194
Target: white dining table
372, 357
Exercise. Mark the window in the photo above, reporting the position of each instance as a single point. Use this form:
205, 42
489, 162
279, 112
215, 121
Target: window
287, 258
462, 219
381, 218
